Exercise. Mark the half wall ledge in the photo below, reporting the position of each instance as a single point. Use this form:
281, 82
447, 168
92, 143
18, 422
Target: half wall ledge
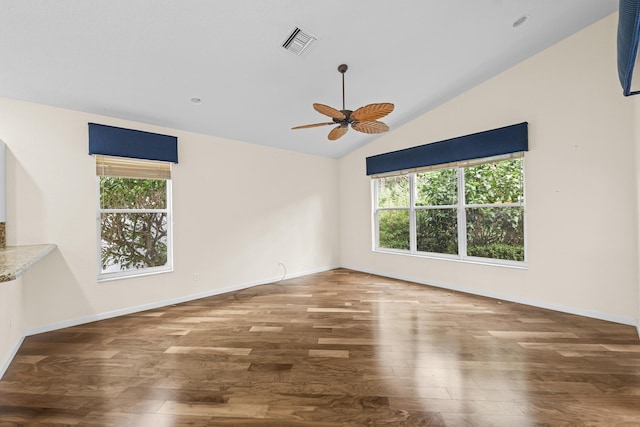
15, 260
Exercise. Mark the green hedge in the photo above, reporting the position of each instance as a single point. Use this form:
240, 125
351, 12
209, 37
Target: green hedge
498, 251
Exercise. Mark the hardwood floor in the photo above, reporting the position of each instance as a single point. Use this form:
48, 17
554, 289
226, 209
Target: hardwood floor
338, 348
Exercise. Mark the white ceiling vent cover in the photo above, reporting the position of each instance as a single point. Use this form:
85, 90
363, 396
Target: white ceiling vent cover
299, 41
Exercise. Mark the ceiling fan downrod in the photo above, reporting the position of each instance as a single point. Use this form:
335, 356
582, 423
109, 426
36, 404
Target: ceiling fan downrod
343, 69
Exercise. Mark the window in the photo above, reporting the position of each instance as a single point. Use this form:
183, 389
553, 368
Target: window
393, 212
134, 216
473, 210
437, 211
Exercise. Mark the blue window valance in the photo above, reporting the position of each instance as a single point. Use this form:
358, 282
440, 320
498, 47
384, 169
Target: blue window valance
495, 142
120, 142
628, 37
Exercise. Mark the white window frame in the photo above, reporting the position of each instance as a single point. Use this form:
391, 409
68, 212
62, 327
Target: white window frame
461, 207
122, 274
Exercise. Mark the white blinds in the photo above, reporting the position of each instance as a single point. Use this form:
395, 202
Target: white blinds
132, 168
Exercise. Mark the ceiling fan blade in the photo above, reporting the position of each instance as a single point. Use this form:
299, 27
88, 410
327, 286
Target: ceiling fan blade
329, 111
315, 125
370, 127
337, 132
372, 112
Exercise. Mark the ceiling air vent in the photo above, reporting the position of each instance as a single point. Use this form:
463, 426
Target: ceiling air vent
298, 42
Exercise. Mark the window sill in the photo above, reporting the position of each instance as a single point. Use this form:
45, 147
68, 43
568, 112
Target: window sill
133, 274
453, 258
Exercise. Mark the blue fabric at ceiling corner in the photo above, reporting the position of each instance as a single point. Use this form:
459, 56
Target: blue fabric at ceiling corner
120, 142
628, 35
505, 140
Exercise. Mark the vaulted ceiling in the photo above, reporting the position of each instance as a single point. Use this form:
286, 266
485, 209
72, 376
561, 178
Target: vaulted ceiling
148, 60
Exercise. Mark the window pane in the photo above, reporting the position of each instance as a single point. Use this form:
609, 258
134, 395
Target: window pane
496, 233
500, 182
393, 191
130, 193
394, 229
437, 230
437, 188
133, 241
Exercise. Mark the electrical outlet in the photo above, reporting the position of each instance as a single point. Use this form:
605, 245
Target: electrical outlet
196, 277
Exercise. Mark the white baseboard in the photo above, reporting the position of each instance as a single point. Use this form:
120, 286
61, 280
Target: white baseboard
7, 362
535, 303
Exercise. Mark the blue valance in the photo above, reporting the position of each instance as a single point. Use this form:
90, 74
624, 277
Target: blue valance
495, 142
628, 35
120, 142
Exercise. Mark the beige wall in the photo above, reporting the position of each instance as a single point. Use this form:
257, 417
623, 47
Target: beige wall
581, 195
239, 209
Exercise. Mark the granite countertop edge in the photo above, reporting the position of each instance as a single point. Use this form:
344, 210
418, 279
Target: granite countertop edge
15, 260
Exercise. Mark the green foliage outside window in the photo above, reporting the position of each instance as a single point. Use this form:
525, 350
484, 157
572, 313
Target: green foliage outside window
495, 232
395, 224
437, 229
500, 182
133, 240
437, 188
393, 192
492, 231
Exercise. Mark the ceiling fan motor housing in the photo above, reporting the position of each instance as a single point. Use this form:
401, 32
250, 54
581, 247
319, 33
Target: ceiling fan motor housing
347, 120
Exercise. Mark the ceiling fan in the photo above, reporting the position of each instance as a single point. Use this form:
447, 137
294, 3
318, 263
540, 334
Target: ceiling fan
364, 119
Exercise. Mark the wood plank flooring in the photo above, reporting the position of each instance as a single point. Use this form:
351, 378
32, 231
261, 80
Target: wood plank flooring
339, 348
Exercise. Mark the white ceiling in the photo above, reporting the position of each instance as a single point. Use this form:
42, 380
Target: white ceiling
144, 60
